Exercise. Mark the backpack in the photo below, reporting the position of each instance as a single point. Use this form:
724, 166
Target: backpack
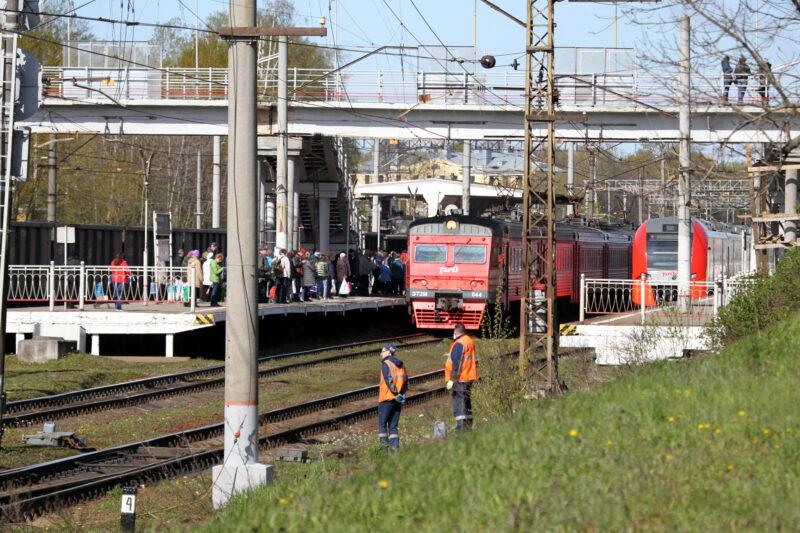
322, 268
277, 269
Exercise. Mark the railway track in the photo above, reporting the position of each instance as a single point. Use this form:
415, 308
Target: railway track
23, 413
28, 492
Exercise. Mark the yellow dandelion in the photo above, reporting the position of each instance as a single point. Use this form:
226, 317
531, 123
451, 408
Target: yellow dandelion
730, 467
688, 392
609, 443
788, 430
384, 484
741, 413
671, 419
282, 500
700, 426
669, 457
291, 495
678, 391
777, 446
573, 433
348, 492
766, 431
717, 431
707, 426
755, 441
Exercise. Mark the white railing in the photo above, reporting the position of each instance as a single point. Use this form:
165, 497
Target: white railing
632, 297
83, 284
406, 87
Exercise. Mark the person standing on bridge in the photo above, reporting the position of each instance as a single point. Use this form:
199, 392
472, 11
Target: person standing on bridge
742, 72
120, 273
727, 76
392, 389
460, 372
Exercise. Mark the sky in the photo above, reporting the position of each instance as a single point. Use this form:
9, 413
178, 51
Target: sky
369, 24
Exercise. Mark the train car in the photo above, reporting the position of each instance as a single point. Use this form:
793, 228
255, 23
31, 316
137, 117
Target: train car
457, 264
716, 253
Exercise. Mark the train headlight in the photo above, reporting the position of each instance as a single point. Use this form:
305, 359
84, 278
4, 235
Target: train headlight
474, 283
451, 224
424, 282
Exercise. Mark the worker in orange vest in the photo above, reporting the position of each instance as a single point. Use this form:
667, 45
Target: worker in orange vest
393, 386
460, 371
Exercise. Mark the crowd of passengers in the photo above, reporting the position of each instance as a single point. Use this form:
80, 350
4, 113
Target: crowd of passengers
303, 275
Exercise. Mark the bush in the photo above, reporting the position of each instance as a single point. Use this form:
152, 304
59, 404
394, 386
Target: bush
761, 302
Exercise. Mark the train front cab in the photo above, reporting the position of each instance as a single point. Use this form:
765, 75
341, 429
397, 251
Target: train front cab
453, 267
655, 256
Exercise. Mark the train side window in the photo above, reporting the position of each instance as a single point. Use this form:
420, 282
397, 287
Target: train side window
430, 253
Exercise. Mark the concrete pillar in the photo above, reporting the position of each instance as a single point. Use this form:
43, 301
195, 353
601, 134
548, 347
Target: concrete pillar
291, 228
296, 224
95, 344
432, 199
570, 175
324, 224
376, 178
198, 208
169, 345
216, 187
790, 226
18, 338
262, 204
281, 182
466, 170
684, 185
51, 179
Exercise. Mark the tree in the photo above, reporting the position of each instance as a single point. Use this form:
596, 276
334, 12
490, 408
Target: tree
45, 40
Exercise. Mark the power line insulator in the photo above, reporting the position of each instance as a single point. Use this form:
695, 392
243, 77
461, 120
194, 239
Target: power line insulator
488, 61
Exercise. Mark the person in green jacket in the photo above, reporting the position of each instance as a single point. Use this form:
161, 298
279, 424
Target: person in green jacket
215, 270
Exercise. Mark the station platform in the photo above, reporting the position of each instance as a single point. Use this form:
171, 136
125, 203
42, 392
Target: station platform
168, 319
630, 338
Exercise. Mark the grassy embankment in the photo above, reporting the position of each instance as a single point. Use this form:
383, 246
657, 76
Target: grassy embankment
706, 444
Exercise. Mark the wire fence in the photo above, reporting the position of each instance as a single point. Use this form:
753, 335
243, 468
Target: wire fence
632, 297
405, 87
84, 284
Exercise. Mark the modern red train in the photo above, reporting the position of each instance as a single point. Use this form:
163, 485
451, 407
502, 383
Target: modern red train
456, 264
717, 252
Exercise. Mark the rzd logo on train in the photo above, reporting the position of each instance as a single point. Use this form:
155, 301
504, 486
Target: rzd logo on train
445, 270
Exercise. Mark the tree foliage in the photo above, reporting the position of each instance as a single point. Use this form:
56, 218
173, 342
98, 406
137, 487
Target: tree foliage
45, 40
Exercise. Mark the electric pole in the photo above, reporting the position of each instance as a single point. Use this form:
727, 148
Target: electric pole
240, 470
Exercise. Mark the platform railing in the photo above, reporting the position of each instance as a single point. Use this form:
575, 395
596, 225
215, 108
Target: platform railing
97, 284
491, 88
643, 297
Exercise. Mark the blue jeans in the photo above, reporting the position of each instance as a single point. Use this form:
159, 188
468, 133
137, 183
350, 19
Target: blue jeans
742, 88
462, 405
119, 289
214, 292
322, 288
388, 417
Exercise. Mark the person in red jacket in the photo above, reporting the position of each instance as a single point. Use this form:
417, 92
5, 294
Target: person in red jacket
120, 273
460, 372
393, 386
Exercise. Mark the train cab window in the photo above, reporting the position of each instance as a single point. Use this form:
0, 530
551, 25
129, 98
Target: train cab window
662, 254
430, 253
469, 254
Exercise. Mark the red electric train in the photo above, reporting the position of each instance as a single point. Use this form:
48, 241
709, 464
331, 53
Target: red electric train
456, 264
717, 252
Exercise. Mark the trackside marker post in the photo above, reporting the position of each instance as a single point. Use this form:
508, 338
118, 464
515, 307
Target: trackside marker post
127, 519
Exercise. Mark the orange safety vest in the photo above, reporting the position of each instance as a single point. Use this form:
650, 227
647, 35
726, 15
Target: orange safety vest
398, 376
469, 363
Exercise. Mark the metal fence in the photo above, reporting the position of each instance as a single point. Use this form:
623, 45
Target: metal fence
406, 87
632, 297
82, 284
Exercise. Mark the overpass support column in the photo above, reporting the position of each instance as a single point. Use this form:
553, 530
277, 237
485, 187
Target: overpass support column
324, 224
570, 175
376, 178
169, 345
216, 189
291, 182
790, 203
95, 344
466, 170
281, 182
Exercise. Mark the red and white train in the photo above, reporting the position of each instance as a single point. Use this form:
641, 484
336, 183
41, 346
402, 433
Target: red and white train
456, 264
717, 252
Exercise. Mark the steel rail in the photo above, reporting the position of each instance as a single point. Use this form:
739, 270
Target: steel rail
83, 401
46, 487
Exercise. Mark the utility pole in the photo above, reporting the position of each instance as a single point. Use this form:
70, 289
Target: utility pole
240, 469
52, 190
281, 186
684, 191
570, 176
198, 213
376, 178
640, 197
215, 185
538, 319
466, 171
592, 183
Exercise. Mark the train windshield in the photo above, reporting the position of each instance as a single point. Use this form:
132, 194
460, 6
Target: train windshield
662, 254
469, 254
430, 253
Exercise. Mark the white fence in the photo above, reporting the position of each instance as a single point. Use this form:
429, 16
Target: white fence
406, 87
631, 297
97, 285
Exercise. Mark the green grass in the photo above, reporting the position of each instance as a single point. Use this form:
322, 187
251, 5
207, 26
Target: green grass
704, 444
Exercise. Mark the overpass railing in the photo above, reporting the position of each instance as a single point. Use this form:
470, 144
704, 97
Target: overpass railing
97, 285
389, 86
643, 298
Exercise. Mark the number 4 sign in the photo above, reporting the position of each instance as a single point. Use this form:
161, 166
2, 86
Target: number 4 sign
127, 519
